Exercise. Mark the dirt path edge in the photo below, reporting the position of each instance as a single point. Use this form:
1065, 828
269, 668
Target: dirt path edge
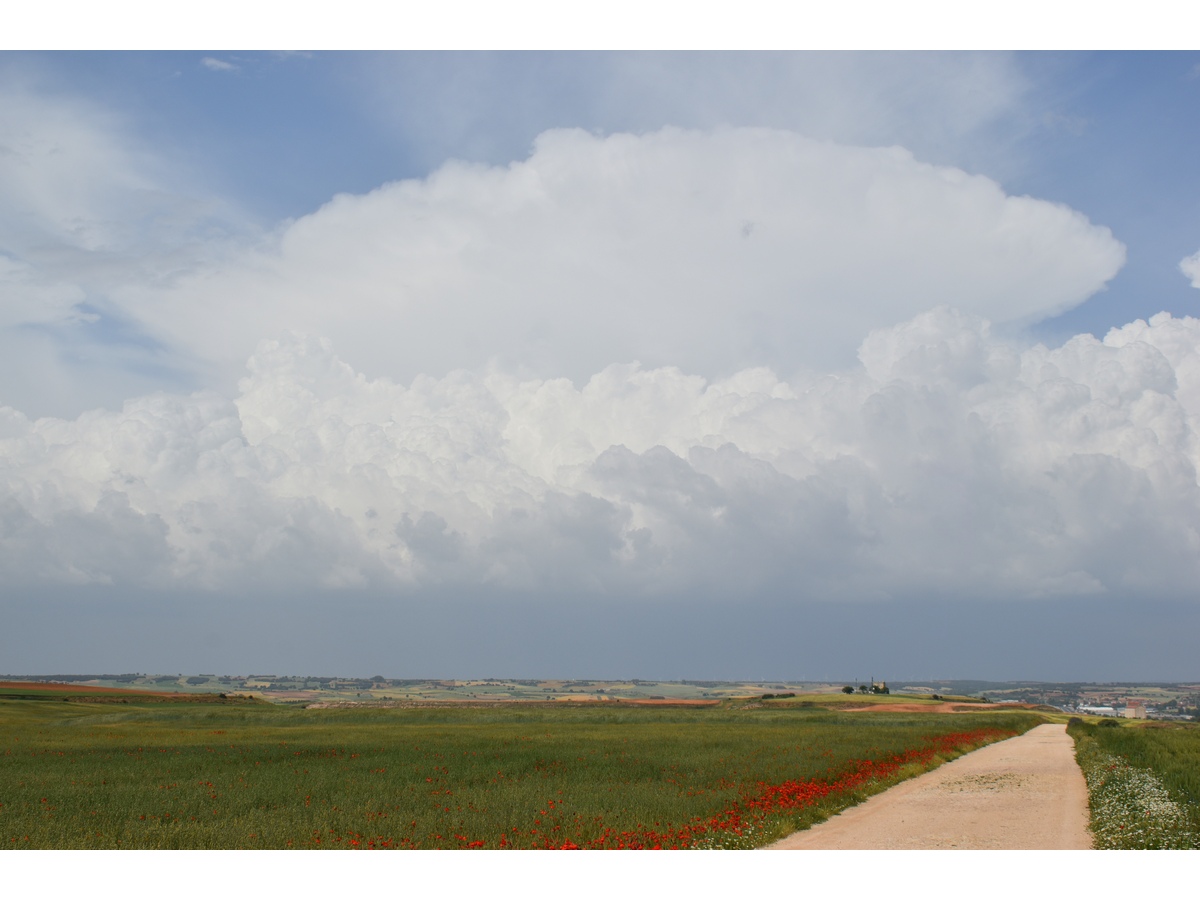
1024, 793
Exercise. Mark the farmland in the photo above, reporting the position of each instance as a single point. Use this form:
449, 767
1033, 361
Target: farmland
247, 774
302, 689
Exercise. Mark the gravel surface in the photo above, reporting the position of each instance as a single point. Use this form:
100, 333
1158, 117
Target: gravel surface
1026, 793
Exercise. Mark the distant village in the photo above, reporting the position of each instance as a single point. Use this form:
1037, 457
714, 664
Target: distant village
1174, 703
1168, 701
1134, 709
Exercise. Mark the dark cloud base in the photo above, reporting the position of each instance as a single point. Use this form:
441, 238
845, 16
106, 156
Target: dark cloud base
436, 634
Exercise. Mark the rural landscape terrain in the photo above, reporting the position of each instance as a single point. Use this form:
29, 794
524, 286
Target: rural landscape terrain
1161, 700
222, 762
821, 370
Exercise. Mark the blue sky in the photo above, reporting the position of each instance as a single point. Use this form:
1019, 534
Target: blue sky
776, 334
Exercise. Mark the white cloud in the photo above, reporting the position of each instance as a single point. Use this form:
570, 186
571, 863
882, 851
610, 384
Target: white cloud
1191, 268
218, 65
950, 463
713, 251
710, 251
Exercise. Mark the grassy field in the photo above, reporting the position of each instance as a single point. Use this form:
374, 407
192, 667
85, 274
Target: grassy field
1143, 783
255, 775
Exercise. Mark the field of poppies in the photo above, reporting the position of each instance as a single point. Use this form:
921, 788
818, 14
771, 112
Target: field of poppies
254, 775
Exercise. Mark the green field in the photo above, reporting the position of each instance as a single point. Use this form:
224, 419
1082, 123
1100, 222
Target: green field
1143, 783
255, 775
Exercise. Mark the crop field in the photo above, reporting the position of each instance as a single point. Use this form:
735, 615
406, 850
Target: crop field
1143, 783
255, 775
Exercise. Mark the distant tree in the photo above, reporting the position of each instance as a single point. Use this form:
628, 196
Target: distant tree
847, 690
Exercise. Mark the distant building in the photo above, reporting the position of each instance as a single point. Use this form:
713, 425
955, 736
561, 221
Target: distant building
1135, 710
1097, 710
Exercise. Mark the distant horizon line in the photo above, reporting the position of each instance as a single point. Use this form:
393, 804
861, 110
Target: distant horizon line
907, 681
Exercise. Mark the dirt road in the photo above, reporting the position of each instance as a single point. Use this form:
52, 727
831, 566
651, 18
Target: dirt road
1026, 793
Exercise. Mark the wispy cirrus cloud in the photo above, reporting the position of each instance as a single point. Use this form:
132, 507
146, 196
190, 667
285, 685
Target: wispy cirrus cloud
86, 210
966, 109
218, 65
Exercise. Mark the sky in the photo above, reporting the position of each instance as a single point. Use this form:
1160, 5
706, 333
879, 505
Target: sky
804, 365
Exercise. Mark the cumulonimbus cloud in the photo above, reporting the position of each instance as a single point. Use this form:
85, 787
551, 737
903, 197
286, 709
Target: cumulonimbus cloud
594, 370
948, 462
712, 251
